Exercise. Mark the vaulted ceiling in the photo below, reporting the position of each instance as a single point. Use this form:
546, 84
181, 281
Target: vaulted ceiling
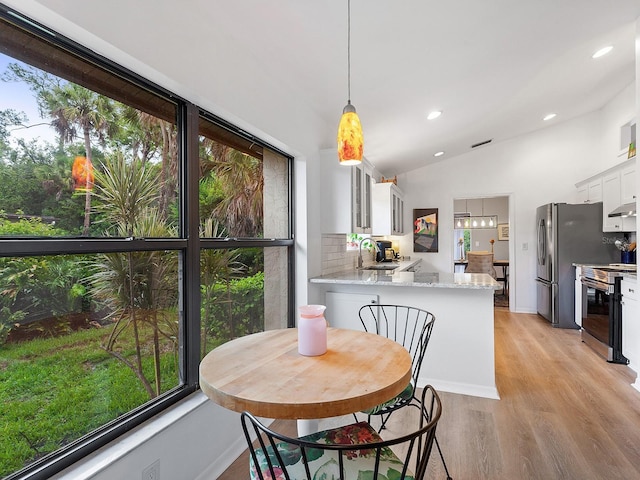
494, 68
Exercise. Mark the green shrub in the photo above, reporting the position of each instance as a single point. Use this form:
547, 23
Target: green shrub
236, 309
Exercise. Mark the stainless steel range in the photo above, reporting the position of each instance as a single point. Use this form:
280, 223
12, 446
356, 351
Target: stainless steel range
602, 311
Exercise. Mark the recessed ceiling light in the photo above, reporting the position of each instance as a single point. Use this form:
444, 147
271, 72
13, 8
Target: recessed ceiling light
434, 114
602, 51
549, 116
438, 154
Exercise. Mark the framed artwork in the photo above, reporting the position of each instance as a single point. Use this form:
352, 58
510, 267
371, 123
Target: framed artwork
503, 231
425, 230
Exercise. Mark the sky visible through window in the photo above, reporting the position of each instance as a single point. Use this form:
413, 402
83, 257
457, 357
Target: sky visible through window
16, 95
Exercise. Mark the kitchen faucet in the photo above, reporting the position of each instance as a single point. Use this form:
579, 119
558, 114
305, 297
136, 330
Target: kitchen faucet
360, 250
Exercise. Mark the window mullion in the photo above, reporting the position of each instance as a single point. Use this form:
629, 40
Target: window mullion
190, 325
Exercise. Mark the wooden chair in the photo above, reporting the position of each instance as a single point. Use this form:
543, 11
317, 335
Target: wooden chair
411, 327
345, 453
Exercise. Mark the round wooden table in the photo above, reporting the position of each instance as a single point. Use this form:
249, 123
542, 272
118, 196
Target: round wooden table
264, 374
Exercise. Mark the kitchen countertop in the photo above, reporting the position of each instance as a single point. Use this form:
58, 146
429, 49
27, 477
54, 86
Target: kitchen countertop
610, 266
401, 278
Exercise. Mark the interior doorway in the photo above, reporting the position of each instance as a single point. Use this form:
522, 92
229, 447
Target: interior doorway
482, 224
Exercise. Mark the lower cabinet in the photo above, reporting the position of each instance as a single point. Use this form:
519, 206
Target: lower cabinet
342, 308
630, 324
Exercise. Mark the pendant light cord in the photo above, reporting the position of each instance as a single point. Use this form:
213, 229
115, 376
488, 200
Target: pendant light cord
349, 51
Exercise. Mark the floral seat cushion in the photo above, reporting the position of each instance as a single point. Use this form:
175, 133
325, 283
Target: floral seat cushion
402, 398
323, 464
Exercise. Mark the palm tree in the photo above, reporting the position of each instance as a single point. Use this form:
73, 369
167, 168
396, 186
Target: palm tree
164, 134
76, 109
241, 179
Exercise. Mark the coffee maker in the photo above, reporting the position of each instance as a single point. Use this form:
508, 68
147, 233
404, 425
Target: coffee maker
384, 252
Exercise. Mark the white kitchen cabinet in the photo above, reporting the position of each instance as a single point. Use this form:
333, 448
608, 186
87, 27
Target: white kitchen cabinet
613, 187
612, 199
346, 195
388, 209
362, 178
342, 308
630, 323
628, 184
589, 191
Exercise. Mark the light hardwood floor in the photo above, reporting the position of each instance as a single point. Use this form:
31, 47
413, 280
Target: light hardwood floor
564, 413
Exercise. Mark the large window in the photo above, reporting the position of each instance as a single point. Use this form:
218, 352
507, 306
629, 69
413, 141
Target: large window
137, 232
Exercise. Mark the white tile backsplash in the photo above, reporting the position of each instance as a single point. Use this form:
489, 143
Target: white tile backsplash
336, 258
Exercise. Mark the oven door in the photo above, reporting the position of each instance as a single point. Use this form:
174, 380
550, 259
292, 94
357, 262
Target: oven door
597, 305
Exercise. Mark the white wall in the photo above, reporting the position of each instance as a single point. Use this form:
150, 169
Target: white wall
532, 169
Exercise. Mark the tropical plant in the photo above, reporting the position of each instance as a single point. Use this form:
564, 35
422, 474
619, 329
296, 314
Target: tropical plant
241, 182
74, 111
137, 287
217, 267
74, 107
37, 288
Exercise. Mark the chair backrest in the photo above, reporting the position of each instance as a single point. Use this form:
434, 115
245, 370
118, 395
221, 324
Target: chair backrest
409, 326
480, 262
345, 453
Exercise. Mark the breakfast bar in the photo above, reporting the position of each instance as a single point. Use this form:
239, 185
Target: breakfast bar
460, 355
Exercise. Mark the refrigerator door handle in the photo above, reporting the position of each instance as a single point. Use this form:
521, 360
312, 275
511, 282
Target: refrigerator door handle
542, 242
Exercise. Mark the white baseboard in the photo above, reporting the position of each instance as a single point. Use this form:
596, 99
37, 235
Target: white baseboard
463, 389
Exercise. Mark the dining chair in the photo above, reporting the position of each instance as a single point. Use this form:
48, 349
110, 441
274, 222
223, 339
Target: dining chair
411, 327
349, 452
480, 262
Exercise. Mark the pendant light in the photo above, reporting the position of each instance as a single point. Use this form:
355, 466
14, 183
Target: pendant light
350, 138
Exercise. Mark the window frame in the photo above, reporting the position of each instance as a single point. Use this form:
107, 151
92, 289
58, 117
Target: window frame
188, 244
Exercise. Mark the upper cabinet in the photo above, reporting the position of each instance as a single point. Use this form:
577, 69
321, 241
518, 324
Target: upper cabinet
628, 184
589, 191
618, 188
613, 187
347, 195
388, 209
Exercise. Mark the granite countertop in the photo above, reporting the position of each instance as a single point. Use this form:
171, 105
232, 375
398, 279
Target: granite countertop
410, 279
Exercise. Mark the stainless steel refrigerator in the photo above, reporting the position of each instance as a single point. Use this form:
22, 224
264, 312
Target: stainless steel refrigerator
567, 234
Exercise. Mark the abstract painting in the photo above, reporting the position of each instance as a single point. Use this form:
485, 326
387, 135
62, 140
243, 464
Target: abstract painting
425, 230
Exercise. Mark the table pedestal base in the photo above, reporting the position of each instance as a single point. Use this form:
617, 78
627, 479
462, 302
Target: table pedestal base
307, 427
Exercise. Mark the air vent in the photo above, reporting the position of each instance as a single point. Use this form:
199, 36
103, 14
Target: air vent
481, 143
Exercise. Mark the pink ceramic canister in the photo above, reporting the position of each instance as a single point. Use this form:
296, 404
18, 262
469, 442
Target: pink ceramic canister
312, 330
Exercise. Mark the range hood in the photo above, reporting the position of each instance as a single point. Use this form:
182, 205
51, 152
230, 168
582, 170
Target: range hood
626, 210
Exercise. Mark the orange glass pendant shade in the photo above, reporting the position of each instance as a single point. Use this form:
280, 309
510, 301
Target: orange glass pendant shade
82, 173
350, 137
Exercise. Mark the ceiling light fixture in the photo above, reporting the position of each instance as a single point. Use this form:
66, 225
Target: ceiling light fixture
475, 222
438, 154
602, 52
549, 116
433, 115
350, 138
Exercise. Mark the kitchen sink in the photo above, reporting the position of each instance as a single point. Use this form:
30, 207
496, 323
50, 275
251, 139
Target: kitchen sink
380, 267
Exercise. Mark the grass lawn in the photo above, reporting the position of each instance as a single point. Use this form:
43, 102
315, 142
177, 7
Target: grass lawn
55, 390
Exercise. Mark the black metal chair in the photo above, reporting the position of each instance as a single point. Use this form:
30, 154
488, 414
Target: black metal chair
411, 327
345, 453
